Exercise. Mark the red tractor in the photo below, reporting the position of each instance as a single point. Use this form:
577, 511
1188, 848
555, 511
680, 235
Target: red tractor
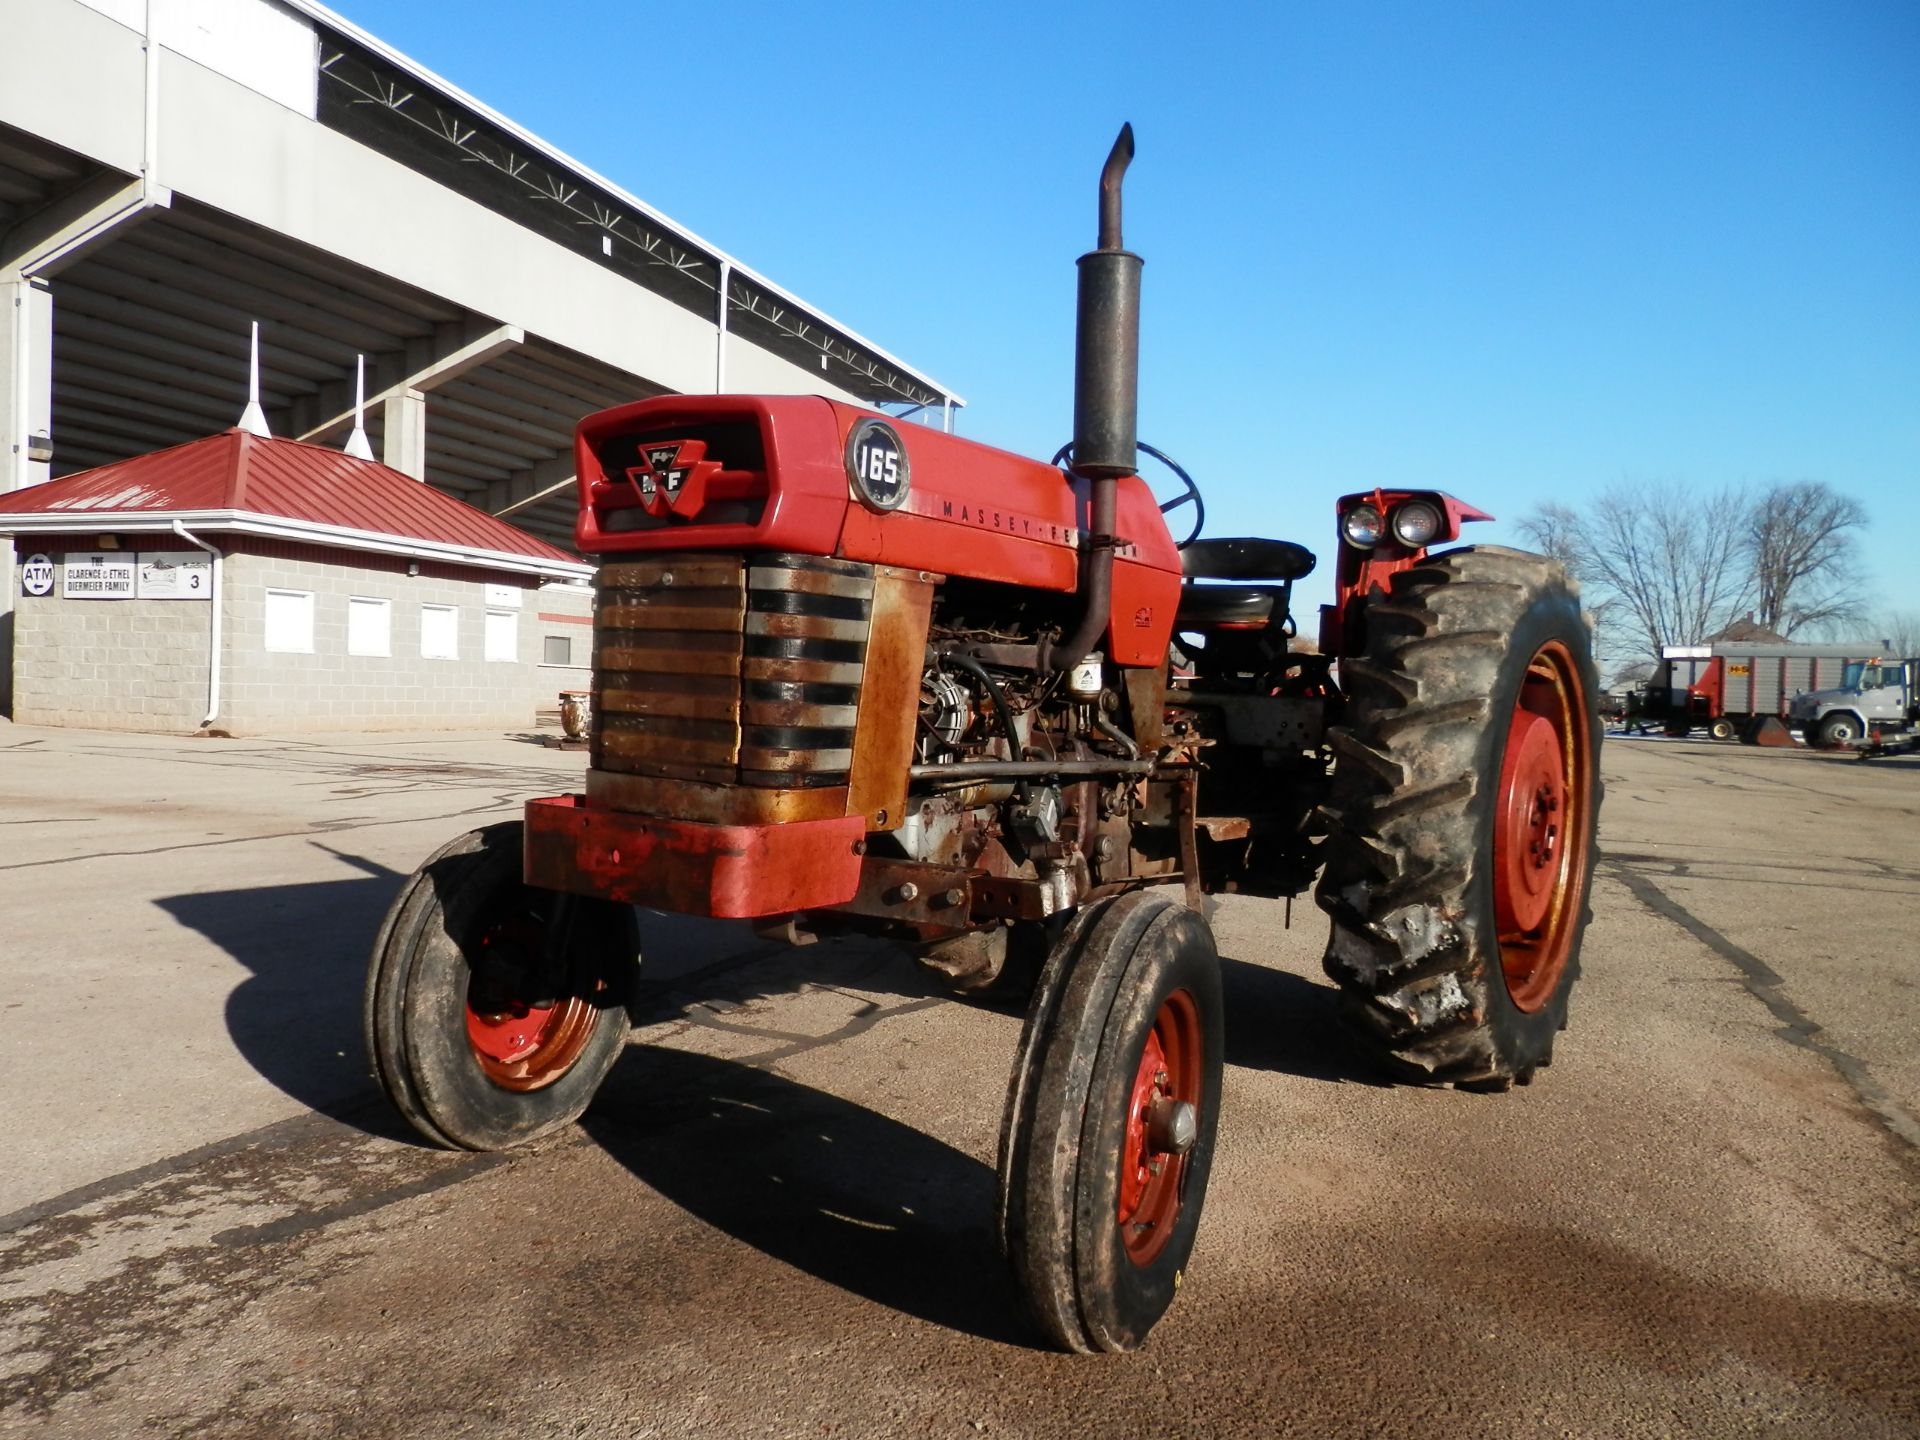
864, 676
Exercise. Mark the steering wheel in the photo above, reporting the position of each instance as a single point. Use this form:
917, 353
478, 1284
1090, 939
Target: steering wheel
1190, 496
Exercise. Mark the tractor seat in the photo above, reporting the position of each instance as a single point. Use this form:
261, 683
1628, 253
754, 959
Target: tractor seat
1226, 607
1243, 558
1238, 607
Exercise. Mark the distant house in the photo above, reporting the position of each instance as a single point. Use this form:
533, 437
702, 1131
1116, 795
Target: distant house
1747, 631
251, 584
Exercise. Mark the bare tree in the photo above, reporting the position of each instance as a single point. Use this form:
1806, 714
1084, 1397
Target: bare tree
1899, 631
1667, 565
1802, 557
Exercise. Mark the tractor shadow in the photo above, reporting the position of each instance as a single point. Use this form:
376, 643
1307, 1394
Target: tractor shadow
1290, 1025
296, 1016
843, 1193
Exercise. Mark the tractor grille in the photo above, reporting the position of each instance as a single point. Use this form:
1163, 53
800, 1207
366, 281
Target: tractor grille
730, 669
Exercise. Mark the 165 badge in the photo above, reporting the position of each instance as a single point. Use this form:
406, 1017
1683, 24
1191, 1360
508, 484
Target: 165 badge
877, 465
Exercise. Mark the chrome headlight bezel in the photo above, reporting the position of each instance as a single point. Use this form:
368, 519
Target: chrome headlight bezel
1363, 526
1417, 523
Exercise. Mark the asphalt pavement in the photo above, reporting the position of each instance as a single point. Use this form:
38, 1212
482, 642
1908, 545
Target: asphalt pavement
1702, 1220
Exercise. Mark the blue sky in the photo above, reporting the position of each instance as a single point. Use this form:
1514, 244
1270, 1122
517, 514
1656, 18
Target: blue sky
1516, 251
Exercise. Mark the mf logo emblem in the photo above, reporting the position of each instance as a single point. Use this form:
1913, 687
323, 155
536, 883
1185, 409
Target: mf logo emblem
671, 477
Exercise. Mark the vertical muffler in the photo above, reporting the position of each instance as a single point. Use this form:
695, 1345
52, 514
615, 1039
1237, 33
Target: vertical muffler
1106, 398
1106, 362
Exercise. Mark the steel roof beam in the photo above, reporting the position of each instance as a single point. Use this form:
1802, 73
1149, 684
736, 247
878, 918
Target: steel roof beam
525, 488
381, 308
449, 353
211, 286
47, 241
91, 313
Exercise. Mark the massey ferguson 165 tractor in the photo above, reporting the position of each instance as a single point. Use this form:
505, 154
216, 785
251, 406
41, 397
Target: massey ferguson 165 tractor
853, 675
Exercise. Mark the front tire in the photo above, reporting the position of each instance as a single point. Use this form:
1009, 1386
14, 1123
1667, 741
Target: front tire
1111, 1113
1839, 731
478, 1042
1462, 817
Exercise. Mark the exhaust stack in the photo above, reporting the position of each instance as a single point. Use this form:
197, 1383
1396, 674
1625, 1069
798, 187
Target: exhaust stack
1106, 398
1106, 370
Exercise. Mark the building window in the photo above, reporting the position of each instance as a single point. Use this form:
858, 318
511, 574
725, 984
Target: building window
369, 626
503, 635
439, 632
289, 621
556, 650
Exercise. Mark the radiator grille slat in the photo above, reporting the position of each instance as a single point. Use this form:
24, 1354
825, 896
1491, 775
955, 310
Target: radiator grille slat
730, 669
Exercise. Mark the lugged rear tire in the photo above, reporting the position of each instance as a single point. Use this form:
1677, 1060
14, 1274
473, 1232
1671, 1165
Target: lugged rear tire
1461, 819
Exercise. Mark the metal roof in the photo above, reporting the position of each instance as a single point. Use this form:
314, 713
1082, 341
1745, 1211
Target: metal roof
241, 482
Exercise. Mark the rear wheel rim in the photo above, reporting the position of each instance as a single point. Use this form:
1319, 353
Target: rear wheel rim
1541, 825
520, 1045
1172, 1070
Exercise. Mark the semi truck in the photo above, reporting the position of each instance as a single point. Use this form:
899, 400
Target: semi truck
1725, 686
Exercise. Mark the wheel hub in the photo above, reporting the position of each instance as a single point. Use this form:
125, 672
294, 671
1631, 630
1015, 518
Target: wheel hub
1539, 817
522, 1037
1163, 1125
1532, 812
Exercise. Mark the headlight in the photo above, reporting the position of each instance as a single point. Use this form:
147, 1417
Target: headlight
1363, 526
1415, 523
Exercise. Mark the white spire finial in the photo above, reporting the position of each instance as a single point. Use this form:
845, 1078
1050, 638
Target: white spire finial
357, 445
253, 419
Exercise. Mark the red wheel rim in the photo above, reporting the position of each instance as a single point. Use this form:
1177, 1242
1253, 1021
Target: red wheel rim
1152, 1180
521, 1046
1541, 822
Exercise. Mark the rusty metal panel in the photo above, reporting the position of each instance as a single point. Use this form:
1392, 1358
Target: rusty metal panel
801, 672
913, 893
726, 871
667, 649
1008, 898
890, 696
698, 570
715, 668
712, 804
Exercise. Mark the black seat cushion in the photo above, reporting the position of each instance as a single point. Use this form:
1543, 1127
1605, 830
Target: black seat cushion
1244, 558
1203, 607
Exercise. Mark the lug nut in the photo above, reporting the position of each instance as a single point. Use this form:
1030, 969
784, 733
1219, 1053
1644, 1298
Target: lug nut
908, 893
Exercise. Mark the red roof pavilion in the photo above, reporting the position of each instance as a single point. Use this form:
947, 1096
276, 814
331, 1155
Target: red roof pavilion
239, 482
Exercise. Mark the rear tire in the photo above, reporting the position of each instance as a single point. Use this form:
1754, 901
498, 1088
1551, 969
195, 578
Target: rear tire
462, 1039
1102, 1172
1461, 819
1722, 730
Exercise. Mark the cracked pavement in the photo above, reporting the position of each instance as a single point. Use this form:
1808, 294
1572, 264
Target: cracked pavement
776, 1218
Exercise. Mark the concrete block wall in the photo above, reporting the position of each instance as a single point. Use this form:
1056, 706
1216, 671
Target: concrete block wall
330, 689
110, 664
142, 664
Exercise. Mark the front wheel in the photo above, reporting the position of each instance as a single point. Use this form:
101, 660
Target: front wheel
1462, 816
1839, 731
1110, 1120
493, 1010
